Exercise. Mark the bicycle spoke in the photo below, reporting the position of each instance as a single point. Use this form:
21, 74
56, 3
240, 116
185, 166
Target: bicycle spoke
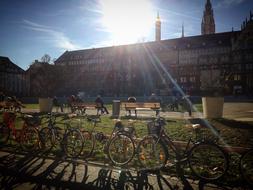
73, 143
121, 150
29, 139
151, 154
4, 133
208, 162
88, 144
246, 166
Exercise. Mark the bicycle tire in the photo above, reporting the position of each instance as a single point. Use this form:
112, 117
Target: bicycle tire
88, 144
118, 154
152, 153
47, 138
246, 166
29, 139
73, 143
4, 133
208, 161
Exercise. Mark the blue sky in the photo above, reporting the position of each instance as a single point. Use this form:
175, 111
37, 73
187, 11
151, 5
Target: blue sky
31, 28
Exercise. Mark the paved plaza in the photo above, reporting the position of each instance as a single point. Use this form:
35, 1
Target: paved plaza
237, 111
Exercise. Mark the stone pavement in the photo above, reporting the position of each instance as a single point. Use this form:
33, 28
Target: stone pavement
36, 171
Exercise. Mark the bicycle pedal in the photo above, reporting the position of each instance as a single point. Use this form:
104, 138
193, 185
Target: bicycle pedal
169, 165
181, 161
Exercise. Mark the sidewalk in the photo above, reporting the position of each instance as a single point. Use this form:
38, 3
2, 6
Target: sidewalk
235, 111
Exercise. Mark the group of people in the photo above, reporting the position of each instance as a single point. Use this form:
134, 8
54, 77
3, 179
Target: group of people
152, 98
71, 100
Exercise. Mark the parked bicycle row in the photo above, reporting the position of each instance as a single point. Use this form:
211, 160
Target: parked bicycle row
206, 159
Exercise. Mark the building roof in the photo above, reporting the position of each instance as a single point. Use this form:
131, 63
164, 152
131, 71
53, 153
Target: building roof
9, 64
192, 42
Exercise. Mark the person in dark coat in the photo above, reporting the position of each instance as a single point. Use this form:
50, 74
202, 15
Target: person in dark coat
131, 99
100, 101
154, 98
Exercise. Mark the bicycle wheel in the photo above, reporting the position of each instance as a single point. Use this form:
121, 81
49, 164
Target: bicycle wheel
246, 166
208, 161
47, 138
121, 149
88, 144
73, 143
152, 153
4, 133
29, 139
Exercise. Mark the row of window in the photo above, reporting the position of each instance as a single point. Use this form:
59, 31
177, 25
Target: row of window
191, 79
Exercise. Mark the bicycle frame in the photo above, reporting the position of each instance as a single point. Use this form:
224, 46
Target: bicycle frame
164, 137
10, 122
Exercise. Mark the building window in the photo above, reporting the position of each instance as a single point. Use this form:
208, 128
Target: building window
183, 79
237, 77
192, 79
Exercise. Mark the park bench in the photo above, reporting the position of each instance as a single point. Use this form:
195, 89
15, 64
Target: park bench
138, 106
81, 107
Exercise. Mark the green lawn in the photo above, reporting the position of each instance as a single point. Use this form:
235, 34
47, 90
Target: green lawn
199, 107
32, 106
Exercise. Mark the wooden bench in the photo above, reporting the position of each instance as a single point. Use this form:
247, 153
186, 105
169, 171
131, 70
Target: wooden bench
83, 106
137, 106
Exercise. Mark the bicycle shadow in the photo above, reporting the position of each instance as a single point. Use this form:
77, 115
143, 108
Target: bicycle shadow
39, 172
145, 179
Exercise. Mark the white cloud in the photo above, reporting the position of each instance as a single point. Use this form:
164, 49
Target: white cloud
58, 39
228, 3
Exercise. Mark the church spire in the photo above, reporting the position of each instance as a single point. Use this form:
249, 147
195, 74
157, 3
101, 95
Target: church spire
183, 30
208, 23
158, 28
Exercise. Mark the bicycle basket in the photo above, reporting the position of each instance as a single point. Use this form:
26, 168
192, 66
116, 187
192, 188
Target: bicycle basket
129, 129
153, 128
118, 126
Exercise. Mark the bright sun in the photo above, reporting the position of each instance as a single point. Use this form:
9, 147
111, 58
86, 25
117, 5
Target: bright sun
128, 21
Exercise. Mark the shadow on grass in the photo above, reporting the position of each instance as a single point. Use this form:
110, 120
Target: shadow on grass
234, 124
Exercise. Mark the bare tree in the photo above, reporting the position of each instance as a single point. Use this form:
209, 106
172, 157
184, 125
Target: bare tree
45, 58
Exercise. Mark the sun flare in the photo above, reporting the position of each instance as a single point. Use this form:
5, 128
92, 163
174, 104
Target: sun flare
128, 21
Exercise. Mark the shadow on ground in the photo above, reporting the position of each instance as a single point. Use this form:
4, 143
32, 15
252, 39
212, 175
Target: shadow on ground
38, 171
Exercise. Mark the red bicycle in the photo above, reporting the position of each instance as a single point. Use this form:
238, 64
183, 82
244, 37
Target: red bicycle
27, 137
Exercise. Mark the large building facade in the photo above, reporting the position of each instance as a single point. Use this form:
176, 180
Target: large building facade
194, 64
13, 79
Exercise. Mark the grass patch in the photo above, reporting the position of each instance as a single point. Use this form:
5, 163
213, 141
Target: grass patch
199, 107
31, 106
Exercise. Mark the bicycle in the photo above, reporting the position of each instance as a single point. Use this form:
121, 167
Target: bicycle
68, 138
121, 147
206, 159
112, 145
246, 166
27, 136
